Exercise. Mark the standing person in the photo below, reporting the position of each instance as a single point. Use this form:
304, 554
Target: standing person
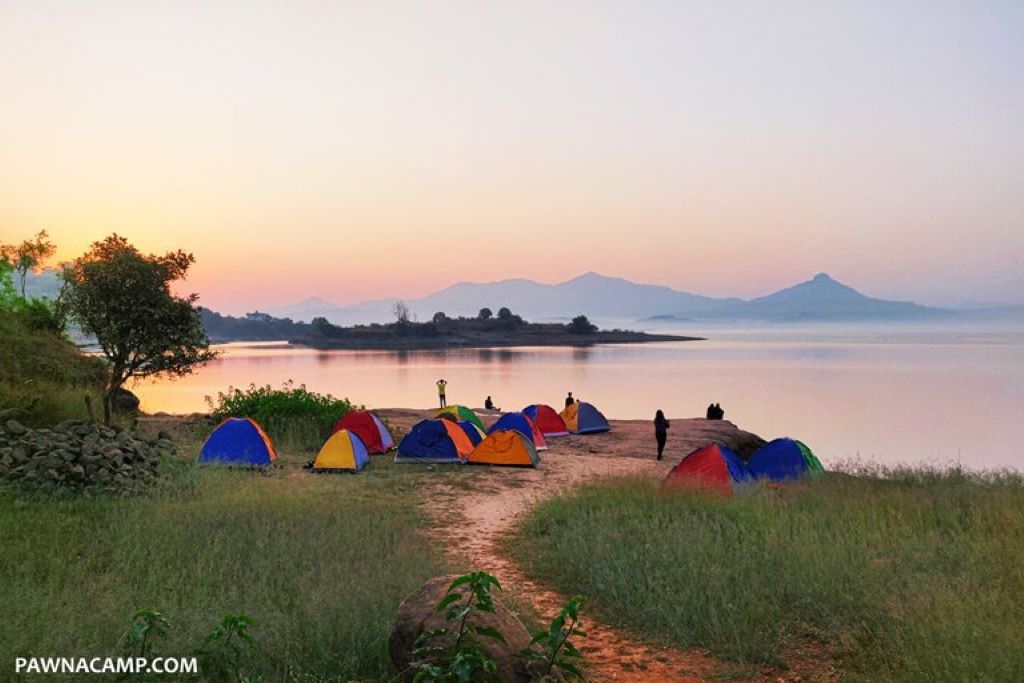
569, 400
441, 384
661, 426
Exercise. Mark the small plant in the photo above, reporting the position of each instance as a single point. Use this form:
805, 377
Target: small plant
556, 651
221, 653
464, 659
146, 625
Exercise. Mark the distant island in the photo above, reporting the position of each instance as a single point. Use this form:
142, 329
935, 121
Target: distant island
441, 332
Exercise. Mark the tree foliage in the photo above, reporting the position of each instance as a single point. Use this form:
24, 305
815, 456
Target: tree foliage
124, 298
485, 313
30, 255
581, 325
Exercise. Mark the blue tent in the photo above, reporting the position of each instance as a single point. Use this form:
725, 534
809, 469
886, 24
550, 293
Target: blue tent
782, 460
238, 441
472, 431
589, 419
428, 441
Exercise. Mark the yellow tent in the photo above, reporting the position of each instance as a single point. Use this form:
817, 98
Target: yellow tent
505, 447
343, 452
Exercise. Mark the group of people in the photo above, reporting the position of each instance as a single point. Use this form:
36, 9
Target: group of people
661, 423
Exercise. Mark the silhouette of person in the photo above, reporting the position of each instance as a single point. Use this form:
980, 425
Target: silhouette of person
719, 413
710, 414
489, 404
569, 400
661, 426
441, 384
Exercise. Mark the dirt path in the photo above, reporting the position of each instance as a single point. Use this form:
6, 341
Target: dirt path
473, 520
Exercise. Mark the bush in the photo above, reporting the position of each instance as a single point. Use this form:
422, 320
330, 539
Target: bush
294, 417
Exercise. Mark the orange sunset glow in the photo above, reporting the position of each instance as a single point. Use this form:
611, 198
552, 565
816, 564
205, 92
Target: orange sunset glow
367, 150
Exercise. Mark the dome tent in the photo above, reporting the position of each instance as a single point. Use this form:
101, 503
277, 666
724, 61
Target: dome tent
429, 441
784, 460
548, 421
369, 428
461, 413
583, 418
475, 434
522, 424
505, 447
463, 444
712, 468
238, 441
343, 451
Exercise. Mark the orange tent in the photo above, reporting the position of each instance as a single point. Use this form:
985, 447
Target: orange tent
505, 447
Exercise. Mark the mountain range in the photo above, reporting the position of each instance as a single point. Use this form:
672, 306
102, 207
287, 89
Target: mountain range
602, 297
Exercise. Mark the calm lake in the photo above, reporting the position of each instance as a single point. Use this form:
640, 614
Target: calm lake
921, 393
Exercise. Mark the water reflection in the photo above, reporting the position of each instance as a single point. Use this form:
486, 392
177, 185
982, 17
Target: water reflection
910, 398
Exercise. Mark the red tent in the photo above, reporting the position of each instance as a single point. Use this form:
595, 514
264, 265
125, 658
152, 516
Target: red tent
548, 421
712, 467
368, 428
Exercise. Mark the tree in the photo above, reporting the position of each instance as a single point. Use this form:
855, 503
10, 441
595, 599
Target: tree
504, 313
123, 297
322, 327
30, 255
580, 325
485, 313
8, 295
439, 318
401, 312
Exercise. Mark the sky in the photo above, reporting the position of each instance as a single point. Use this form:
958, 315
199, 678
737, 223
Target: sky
357, 150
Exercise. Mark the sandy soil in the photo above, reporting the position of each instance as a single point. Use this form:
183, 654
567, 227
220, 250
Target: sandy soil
473, 522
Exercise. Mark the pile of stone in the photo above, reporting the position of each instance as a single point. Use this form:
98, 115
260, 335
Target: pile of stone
80, 457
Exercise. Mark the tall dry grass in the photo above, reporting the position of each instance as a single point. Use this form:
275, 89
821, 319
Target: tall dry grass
899, 574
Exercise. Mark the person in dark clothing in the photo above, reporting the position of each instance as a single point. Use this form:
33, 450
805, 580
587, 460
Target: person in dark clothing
710, 414
569, 400
489, 404
661, 426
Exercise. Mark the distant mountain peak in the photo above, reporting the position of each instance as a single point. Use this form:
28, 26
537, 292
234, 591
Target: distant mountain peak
823, 278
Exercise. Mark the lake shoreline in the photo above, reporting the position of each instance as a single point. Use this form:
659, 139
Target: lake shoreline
488, 341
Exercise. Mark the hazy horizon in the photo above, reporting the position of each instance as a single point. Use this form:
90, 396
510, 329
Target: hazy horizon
356, 151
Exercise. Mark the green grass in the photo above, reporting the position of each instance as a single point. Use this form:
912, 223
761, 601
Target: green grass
320, 563
43, 376
914, 576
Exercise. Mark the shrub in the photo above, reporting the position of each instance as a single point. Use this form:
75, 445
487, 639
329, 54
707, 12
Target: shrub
294, 417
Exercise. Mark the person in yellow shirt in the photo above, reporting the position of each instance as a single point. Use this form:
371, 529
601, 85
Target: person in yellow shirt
441, 384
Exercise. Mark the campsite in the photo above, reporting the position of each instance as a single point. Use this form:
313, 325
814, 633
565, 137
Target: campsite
319, 546
511, 342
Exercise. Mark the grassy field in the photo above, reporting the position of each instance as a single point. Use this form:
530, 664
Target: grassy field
319, 562
45, 378
917, 576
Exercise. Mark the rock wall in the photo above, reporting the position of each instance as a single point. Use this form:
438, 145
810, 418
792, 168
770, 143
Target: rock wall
80, 456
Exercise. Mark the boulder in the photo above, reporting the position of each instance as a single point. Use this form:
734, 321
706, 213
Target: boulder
419, 613
124, 402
